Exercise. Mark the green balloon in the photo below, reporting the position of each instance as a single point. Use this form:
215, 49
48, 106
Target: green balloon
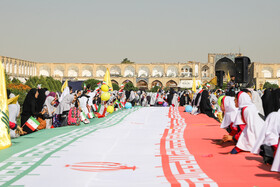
220, 100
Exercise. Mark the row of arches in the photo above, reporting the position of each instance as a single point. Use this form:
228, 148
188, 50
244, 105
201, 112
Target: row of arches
144, 85
129, 71
19, 67
267, 72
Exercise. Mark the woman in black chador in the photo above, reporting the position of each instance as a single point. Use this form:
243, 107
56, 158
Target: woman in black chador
30, 108
205, 106
170, 96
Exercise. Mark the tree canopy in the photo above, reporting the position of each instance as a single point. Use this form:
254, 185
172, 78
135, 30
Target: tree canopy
126, 61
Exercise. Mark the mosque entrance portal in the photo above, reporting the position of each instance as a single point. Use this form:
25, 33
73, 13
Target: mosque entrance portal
226, 65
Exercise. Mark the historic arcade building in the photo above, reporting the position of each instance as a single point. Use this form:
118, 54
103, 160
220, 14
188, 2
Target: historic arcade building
144, 75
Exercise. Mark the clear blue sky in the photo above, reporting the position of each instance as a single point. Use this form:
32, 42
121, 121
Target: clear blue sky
107, 31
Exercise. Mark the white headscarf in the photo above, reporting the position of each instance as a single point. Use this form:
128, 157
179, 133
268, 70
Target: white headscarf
14, 110
270, 132
276, 162
230, 111
132, 96
65, 92
243, 101
153, 98
65, 104
83, 104
175, 100
257, 100
254, 123
48, 104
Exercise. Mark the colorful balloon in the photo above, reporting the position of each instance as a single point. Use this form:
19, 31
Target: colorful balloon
110, 109
128, 105
104, 88
220, 100
105, 96
188, 108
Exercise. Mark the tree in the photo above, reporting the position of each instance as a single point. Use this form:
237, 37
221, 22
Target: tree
51, 84
269, 85
155, 88
7, 77
15, 80
129, 86
92, 83
58, 85
43, 82
31, 82
115, 86
126, 61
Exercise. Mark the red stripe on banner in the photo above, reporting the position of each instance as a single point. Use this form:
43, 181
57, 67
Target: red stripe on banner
181, 171
165, 162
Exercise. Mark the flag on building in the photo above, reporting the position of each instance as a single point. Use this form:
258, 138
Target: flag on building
32, 123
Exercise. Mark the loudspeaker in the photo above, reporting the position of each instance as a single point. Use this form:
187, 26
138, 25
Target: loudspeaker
241, 66
220, 74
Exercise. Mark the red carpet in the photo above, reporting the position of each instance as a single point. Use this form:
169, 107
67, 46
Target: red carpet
243, 169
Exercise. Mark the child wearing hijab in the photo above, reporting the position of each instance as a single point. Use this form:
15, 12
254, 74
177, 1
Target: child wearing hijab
50, 108
230, 112
14, 111
248, 115
276, 162
269, 138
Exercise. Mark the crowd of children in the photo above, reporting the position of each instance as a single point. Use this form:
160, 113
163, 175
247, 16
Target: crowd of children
251, 119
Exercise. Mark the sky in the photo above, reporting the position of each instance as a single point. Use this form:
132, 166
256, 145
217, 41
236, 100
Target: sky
144, 31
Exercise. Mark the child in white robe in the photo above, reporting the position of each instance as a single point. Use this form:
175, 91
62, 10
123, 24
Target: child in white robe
253, 123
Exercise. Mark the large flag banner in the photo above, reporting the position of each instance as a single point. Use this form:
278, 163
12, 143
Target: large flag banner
142, 146
32, 123
5, 139
134, 152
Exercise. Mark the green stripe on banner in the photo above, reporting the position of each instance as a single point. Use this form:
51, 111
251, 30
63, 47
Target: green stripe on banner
65, 136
